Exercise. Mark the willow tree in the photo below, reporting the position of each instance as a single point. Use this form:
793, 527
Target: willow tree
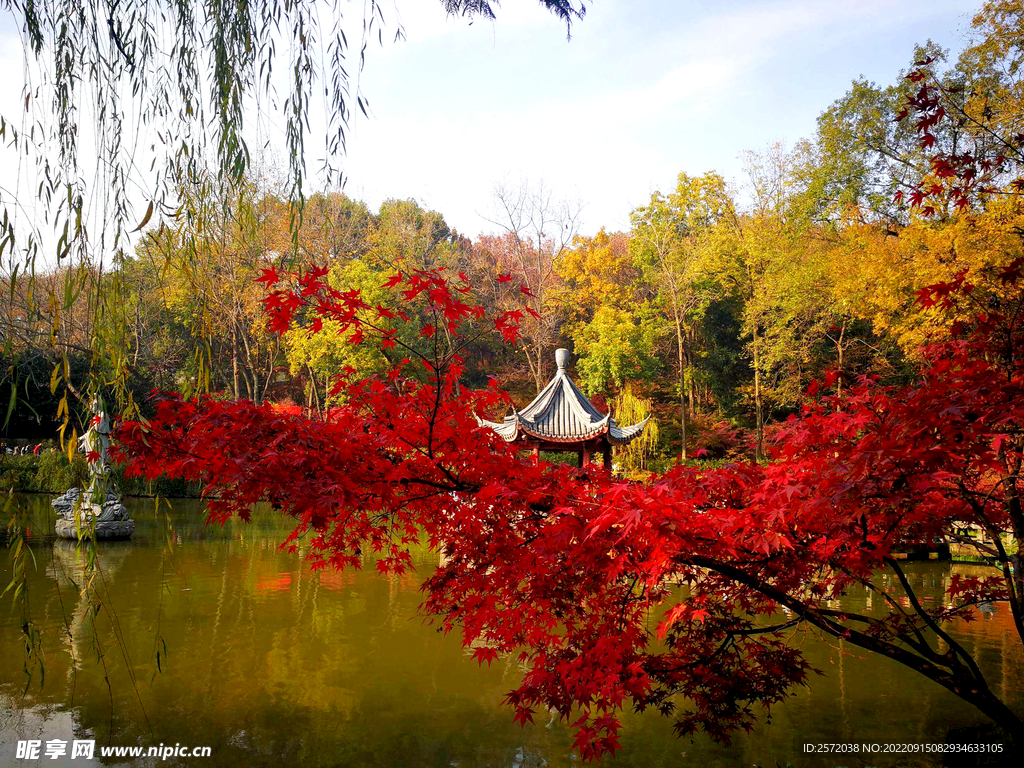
126, 103
128, 108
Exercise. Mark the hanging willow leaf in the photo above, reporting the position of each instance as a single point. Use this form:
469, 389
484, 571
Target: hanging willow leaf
99, 77
146, 218
196, 73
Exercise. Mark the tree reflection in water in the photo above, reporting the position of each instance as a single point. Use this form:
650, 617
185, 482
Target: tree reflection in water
270, 664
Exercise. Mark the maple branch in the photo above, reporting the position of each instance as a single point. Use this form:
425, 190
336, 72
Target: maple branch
985, 549
912, 596
1012, 581
766, 630
950, 102
625, 599
975, 691
729, 641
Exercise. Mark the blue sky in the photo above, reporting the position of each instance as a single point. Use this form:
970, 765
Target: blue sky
643, 91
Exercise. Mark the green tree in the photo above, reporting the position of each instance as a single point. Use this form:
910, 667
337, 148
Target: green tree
668, 242
631, 408
617, 346
861, 155
743, 248
322, 356
405, 236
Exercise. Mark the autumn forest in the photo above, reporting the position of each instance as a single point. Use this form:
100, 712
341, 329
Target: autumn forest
714, 312
815, 368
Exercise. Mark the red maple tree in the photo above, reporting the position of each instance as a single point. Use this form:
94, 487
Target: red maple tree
980, 156
564, 566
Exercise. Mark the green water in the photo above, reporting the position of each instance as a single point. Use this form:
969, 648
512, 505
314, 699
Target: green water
269, 664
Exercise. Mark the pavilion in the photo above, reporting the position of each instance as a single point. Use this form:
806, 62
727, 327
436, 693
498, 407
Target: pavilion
562, 419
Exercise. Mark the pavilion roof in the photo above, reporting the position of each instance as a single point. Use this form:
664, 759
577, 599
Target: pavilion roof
561, 413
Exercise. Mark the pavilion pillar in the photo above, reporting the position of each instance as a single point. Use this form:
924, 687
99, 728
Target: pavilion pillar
585, 456
536, 451
608, 456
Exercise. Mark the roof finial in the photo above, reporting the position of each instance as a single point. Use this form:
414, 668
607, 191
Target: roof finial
561, 358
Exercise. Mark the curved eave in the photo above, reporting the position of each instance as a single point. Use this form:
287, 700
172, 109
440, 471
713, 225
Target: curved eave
507, 430
550, 437
516, 428
624, 435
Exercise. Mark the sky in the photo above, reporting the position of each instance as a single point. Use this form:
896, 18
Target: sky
644, 90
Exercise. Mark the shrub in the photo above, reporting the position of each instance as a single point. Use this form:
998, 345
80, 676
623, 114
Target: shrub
18, 472
717, 439
55, 474
51, 472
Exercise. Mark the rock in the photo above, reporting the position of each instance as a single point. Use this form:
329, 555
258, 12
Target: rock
112, 520
110, 530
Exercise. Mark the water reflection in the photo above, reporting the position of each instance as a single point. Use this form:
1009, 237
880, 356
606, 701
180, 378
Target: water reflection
214, 637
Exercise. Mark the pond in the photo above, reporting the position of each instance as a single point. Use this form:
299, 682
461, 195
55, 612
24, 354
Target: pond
211, 636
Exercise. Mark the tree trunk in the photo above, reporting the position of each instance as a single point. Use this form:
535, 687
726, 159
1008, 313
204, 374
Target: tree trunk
138, 331
690, 394
234, 360
249, 374
839, 350
691, 388
758, 415
314, 391
681, 348
536, 367
270, 374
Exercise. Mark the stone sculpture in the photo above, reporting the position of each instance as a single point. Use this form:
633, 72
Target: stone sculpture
98, 511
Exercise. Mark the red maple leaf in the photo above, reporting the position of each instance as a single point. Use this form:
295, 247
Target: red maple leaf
268, 275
